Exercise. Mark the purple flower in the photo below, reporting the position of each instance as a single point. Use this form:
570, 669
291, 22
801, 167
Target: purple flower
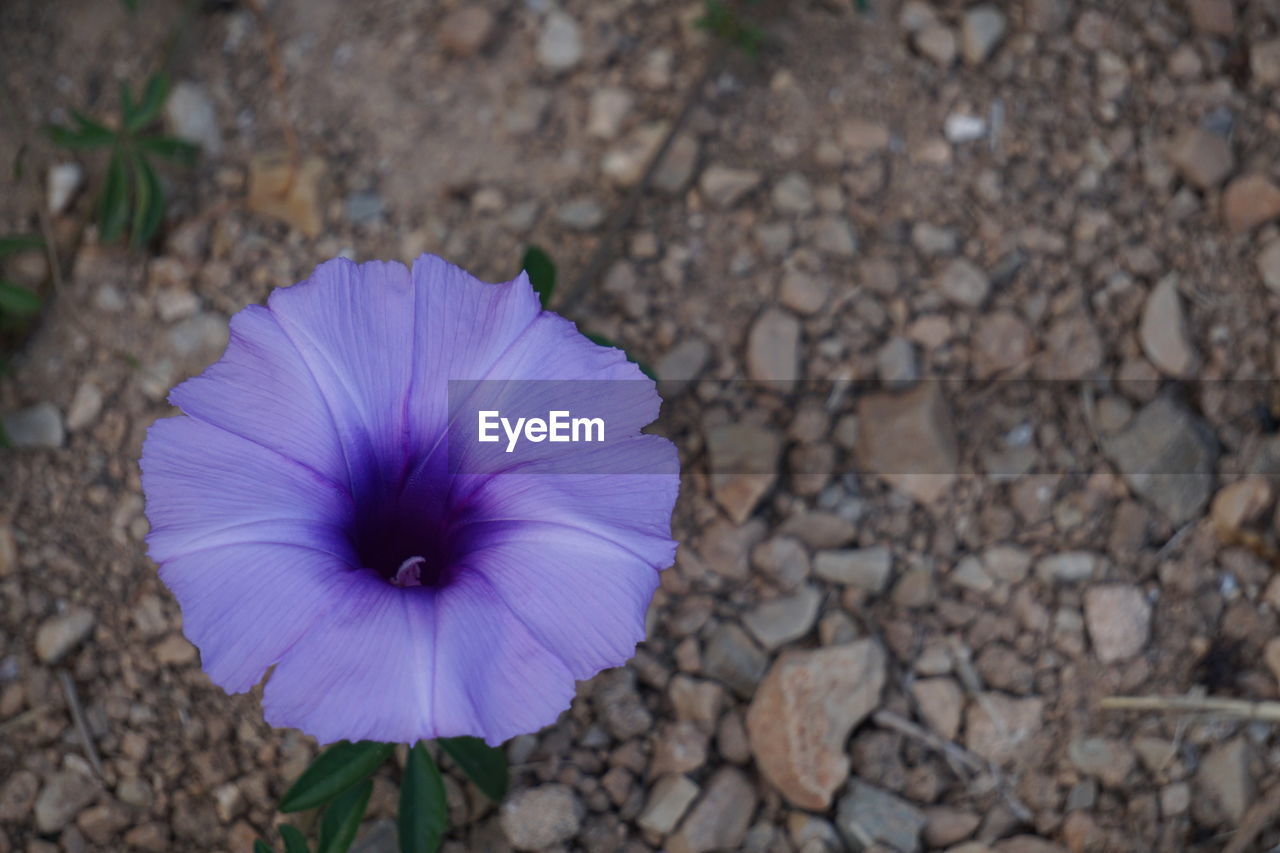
306, 515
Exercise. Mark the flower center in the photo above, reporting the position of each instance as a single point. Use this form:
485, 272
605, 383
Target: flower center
409, 542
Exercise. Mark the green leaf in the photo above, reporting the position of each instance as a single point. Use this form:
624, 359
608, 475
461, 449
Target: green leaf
342, 819
113, 204
148, 209
87, 133
260, 846
424, 815
485, 765
542, 273
337, 769
293, 840
178, 150
127, 107
19, 243
17, 301
148, 109
606, 342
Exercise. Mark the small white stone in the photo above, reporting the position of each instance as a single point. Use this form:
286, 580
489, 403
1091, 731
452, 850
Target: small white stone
960, 128
65, 180
560, 44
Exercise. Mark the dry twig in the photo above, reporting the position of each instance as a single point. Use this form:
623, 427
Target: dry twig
1265, 712
81, 724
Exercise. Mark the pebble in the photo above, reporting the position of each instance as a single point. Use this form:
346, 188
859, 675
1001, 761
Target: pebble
868, 816
465, 31
62, 798
981, 31
783, 620
937, 42
1073, 348
773, 346
963, 283
947, 826
35, 427
1269, 266
1002, 341
618, 704
793, 194
1067, 567
295, 196
18, 796
1202, 157
624, 164
560, 42
932, 240
1108, 759
960, 128
1216, 17
744, 466
897, 363
1001, 739
941, 704
1224, 777
676, 169
58, 635
175, 650
190, 114
1264, 62
1163, 330
580, 214
607, 110
63, 182
724, 186
803, 292
720, 819
862, 568
819, 530
682, 364
782, 559
909, 440
1240, 504
734, 660
725, 548
1250, 200
668, 801
1119, 621
1167, 455
834, 236
364, 207
9, 549
537, 818
802, 714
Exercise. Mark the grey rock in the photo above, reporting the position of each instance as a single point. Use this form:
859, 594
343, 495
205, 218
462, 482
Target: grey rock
1167, 455
677, 166
1067, 567
607, 111
981, 31
937, 42
803, 292
86, 405
560, 42
773, 346
58, 635
744, 466
581, 214
35, 427
834, 236
963, 283
782, 620
682, 364
62, 798
930, 239
1118, 617
668, 801
867, 816
724, 186
897, 363
734, 660
909, 440
1163, 330
540, 817
1202, 157
364, 207
618, 704
200, 337
863, 568
793, 194
720, 819
18, 796
191, 116
1225, 778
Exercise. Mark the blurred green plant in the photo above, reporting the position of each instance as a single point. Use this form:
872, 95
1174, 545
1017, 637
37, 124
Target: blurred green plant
131, 197
17, 303
724, 21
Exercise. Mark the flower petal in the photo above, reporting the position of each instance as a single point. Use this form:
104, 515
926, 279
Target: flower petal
244, 605
261, 390
207, 487
353, 327
401, 665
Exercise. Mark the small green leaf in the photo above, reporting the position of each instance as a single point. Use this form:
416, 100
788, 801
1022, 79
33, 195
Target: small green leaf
17, 301
485, 765
131, 5
342, 818
178, 150
148, 109
19, 243
113, 204
88, 125
337, 769
424, 814
260, 846
89, 134
127, 107
542, 273
293, 840
148, 210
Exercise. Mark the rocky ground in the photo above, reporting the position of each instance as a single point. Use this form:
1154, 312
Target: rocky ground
899, 602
